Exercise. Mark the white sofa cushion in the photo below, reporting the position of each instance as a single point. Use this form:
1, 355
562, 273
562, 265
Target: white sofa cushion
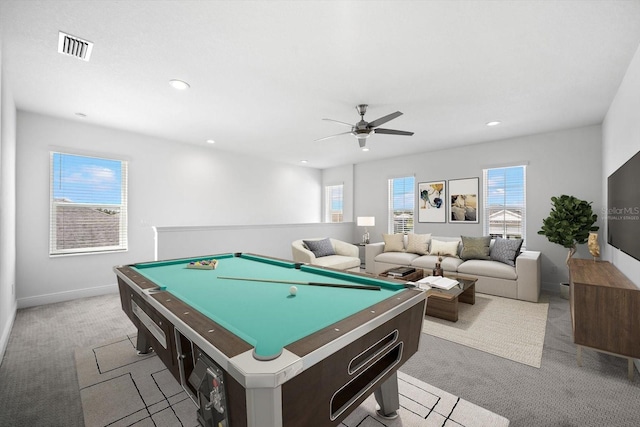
339, 262
439, 247
393, 242
428, 262
400, 258
418, 243
488, 269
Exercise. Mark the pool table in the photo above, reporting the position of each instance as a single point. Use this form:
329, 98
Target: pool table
251, 351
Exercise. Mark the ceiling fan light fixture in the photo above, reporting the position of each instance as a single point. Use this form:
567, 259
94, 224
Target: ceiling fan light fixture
365, 148
361, 133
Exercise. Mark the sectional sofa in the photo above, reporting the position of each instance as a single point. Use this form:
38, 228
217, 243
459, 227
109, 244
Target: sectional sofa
520, 281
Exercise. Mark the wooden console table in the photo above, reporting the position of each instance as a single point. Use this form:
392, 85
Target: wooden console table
605, 310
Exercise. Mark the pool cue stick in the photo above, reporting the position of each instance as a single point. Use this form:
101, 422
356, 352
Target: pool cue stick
295, 282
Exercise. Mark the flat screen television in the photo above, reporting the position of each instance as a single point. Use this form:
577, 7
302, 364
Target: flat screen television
623, 207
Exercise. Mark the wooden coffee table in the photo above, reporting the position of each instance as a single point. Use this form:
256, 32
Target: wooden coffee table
443, 303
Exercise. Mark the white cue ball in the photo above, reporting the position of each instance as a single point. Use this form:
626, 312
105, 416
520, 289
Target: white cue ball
293, 290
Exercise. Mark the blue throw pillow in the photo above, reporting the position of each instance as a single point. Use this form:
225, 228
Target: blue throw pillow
506, 250
320, 248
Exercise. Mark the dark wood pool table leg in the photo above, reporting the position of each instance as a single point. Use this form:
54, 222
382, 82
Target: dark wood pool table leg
387, 397
143, 343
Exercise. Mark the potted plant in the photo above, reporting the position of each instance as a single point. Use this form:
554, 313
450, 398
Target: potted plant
569, 223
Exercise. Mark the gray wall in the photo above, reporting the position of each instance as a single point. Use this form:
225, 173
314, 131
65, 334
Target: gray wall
563, 162
621, 140
170, 184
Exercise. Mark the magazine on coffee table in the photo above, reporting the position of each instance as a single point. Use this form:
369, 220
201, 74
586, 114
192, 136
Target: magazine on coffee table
438, 282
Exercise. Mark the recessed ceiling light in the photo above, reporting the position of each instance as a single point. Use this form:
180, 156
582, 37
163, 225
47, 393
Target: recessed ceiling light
365, 148
304, 162
179, 84
211, 141
493, 123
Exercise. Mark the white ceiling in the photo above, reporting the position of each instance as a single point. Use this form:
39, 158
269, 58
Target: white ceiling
264, 74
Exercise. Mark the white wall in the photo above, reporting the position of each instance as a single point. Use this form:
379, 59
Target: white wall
562, 162
272, 240
620, 141
7, 210
170, 184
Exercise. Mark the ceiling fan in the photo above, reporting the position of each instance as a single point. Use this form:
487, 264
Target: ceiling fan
363, 129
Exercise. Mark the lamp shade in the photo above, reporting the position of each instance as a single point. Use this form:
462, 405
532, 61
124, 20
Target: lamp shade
366, 221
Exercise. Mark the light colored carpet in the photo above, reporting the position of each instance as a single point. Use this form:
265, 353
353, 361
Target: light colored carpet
119, 388
503, 327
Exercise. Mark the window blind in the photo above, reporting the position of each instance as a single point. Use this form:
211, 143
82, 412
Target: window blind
88, 204
401, 204
334, 203
505, 202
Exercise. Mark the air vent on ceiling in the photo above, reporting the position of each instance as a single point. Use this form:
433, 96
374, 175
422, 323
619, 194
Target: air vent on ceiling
74, 46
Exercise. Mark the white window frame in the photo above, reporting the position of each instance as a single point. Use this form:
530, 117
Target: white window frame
54, 204
329, 194
410, 198
505, 207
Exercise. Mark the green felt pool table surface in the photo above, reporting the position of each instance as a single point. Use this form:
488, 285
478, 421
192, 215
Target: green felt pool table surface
265, 314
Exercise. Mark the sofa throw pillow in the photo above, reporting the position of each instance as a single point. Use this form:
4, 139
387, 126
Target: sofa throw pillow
506, 250
393, 242
444, 248
321, 247
475, 247
418, 243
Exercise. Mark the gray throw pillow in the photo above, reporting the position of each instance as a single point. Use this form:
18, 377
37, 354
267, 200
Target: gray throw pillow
475, 247
506, 250
320, 248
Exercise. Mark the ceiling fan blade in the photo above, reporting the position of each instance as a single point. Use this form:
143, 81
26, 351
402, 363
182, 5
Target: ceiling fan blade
338, 121
327, 137
385, 119
393, 132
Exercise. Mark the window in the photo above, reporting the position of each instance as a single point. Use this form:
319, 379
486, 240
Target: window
505, 202
401, 204
88, 211
333, 203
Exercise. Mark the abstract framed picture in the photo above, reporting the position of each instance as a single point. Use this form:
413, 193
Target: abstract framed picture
463, 200
432, 201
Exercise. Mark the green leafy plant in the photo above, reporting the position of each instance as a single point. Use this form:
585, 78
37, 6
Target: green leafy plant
569, 223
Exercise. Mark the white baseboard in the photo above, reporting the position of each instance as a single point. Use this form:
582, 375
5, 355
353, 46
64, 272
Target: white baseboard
66, 296
6, 332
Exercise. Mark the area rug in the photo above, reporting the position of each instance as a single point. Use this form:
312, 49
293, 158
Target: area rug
504, 327
119, 388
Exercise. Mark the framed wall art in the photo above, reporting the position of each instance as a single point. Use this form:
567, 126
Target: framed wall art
463, 200
432, 201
